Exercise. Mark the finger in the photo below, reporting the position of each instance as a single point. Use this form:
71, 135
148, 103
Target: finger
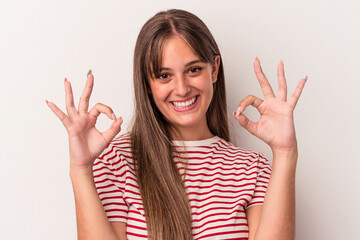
249, 100
60, 114
282, 91
264, 83
246, 123
113, 130
101, 108
69, 99
85, 96
296, 95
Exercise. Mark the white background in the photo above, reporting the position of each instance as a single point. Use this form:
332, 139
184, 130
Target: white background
41, 42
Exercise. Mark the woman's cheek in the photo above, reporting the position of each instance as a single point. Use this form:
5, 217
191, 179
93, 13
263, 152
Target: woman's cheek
159, 91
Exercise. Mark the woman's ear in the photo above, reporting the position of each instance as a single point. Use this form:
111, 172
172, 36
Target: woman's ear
215, 68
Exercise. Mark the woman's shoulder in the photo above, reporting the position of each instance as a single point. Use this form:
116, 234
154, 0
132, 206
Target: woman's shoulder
121, 141
227, 146
241, 155
114, 163
118, 150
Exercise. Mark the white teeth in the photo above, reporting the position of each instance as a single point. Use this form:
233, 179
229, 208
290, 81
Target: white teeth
184, 104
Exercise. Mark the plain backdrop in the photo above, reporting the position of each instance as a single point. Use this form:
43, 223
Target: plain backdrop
42, 42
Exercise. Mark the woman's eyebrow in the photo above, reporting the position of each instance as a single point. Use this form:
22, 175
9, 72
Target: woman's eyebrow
186, 65
192, 62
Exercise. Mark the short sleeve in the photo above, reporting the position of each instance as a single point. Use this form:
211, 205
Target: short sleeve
262, 181
109, 175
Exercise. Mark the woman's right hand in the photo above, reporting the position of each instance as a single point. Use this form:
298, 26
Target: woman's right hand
86, 142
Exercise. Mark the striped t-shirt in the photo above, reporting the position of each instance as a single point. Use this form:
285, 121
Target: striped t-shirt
221, 181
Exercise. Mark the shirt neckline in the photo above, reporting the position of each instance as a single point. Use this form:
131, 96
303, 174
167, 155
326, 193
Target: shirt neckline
204, 142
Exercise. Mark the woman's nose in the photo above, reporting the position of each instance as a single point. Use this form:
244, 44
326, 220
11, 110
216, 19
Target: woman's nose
182, 86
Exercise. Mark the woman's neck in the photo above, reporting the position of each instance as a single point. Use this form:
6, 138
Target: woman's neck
191, 133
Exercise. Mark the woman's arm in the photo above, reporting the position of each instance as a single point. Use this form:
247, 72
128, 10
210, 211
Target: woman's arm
276, 218
92, 222
85, 145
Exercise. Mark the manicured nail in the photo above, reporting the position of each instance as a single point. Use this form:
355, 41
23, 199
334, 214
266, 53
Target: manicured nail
238, 111
47, 102
88, 72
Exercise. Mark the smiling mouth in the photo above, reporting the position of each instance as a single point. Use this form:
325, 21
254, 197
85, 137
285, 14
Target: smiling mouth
185, 104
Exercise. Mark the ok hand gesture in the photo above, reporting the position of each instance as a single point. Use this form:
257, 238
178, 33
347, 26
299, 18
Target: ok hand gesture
85, 141
276, 124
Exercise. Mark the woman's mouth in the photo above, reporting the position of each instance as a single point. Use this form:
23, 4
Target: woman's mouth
185, 105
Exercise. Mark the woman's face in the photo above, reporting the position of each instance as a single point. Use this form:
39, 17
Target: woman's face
183, 90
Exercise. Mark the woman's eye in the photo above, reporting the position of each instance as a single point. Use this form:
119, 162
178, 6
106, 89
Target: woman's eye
194, 69
163, 76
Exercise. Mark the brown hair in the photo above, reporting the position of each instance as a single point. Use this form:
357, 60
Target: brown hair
166, 206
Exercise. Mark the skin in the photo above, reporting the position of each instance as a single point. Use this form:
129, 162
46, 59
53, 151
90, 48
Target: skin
183, 77
85, 144
275, 219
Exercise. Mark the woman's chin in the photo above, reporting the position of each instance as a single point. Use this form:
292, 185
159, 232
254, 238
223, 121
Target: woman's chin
190, 122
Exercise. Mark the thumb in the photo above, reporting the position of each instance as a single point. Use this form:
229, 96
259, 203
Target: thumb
246, 123
113, 130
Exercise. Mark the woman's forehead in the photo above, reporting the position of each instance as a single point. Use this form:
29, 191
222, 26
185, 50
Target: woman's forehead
176, 51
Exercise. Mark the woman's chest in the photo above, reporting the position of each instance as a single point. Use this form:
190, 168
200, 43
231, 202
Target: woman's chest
218, 192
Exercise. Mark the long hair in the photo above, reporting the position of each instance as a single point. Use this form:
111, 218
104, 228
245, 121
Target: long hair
166, 206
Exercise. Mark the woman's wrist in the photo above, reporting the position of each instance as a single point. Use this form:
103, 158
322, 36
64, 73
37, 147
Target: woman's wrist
289, 154
286, 152
76, 170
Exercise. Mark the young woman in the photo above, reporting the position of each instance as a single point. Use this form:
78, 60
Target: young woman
176, 166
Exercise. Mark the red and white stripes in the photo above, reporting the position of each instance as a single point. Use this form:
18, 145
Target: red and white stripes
221, 180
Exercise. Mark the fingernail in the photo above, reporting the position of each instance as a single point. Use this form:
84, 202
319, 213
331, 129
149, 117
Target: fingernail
282, 62
89, 72
238, 111
306, 78
47, 102
114, 117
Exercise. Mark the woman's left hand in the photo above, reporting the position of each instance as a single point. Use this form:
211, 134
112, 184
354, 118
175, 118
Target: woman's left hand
276, 124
